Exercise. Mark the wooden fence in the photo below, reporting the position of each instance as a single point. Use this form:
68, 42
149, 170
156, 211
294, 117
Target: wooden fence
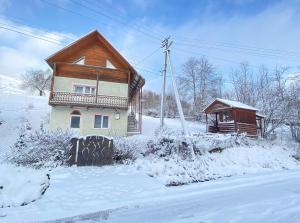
91, 151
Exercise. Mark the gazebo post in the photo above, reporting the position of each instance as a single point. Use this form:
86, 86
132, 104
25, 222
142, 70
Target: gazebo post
206, 122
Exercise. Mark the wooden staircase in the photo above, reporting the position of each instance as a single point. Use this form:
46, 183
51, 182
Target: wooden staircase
132, 126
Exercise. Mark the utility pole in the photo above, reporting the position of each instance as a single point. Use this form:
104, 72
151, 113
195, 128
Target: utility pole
165, 45
177, 98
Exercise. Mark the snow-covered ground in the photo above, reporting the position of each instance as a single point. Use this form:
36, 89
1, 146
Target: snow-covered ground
123, 194
20, 186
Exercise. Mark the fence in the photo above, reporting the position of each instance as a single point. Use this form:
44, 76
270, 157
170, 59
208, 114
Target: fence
91, 151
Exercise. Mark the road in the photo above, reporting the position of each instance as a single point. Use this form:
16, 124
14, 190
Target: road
268, 197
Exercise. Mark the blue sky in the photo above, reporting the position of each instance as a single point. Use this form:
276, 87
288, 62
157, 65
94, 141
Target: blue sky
226, 32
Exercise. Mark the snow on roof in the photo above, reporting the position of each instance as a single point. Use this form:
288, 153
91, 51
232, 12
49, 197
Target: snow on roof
233, 104
236, 104
260, 115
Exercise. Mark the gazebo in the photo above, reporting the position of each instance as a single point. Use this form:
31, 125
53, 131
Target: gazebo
227, 116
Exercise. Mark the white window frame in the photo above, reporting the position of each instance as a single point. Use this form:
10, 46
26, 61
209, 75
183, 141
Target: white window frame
84, 86
80, 120
79, 60
101, 121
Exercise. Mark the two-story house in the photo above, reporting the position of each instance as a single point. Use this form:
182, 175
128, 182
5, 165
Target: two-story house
94, 90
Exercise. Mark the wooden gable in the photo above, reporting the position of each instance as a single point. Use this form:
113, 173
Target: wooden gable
216, 106
94, 48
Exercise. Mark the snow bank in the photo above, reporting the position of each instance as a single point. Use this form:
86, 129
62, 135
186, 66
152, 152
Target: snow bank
231, 161
20, 186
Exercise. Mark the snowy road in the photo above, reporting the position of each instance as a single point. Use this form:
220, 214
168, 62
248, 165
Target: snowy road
268, 197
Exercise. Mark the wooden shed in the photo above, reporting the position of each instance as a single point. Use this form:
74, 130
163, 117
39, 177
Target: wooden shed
227, 116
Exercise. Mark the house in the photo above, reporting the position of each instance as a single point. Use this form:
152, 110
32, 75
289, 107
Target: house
228, 116
94, 90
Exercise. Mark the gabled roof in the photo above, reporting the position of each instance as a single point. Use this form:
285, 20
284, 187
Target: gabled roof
232, 104
137, 81
90, 35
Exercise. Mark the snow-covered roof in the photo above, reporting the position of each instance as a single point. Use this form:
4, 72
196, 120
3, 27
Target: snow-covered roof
260, 115
233, 104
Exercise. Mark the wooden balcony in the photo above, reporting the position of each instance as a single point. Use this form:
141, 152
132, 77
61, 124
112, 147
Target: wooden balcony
87, 100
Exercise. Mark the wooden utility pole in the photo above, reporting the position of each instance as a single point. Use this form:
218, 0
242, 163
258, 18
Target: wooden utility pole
165, 45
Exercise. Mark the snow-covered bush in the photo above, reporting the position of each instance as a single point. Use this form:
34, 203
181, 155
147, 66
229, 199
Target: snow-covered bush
127, 149
41, 148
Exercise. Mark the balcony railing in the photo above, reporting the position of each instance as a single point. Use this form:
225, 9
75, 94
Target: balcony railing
89, 100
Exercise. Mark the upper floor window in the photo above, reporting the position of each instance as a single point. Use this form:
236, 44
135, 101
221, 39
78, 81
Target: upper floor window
110, 65
80, 61
80, 89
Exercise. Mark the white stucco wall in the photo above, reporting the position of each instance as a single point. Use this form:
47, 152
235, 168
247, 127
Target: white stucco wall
66, 84
61, 118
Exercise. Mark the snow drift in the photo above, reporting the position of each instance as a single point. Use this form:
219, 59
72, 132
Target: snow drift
168, 157
20, 186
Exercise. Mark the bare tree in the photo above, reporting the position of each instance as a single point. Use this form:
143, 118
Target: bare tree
243, 84
151, 103
199, 83
37, 80
189, 80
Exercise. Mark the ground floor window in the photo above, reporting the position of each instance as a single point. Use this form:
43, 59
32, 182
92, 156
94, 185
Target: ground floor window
101, 121
75, 119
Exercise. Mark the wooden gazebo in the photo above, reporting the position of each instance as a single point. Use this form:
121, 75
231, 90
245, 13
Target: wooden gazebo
226, 116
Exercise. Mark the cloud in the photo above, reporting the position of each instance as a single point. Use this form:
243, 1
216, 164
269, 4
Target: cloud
226, 40
19, 53
269, 36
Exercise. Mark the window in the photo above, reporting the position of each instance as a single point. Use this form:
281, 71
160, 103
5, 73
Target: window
101, 122
84, 89
80, 61
98, 121
79, 89
110, 65
105, 122
75, 119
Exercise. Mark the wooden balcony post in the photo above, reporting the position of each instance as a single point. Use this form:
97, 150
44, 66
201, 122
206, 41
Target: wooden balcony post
141, 109
97, 88
52, 81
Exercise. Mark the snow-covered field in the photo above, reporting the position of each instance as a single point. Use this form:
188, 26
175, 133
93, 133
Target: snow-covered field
263, 187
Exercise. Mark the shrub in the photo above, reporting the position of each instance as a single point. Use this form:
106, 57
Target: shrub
41, 148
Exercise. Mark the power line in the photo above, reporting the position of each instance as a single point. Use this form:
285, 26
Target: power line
100, 6
253, 52
73, 12
240, 46
115, 19
148, 56
25, 31
21, 21
30, 35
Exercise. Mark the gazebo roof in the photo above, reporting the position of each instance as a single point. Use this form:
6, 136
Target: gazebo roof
230, 104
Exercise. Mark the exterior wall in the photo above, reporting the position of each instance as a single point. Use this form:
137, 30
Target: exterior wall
60, 118
94, 52
245, 116
66, 84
